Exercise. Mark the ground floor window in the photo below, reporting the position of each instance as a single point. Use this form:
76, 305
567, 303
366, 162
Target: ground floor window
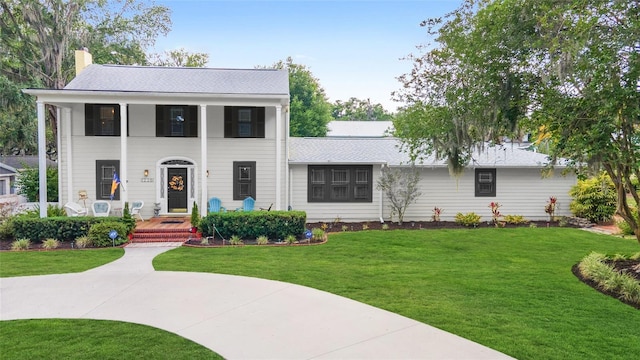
244, 180
485, 182
104, 178
340, 183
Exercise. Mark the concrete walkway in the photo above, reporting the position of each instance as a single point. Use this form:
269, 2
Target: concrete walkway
237, 317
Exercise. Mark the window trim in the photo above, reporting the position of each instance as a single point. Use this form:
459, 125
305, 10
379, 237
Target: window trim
237, 181
232, 122
479, 173
100, 181
328, 186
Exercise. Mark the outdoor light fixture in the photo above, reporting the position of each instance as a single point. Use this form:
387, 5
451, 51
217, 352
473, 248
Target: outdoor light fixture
207, 173
146, 173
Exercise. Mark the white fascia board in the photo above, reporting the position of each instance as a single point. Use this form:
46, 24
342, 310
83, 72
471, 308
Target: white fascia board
76, 96
378, 162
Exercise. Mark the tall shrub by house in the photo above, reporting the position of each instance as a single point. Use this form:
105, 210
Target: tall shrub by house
594, 198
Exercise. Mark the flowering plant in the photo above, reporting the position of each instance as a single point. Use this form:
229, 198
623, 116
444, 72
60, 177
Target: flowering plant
436, 214
495, 211
550, 207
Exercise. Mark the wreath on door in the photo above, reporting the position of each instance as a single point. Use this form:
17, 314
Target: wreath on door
176, 183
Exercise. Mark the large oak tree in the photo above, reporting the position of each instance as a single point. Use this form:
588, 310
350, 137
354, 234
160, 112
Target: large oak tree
571, 68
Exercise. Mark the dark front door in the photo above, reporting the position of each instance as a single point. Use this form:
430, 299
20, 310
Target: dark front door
177, 190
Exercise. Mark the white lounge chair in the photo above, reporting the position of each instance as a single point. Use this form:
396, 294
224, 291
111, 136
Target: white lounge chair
101, 208
74, 209
136, 206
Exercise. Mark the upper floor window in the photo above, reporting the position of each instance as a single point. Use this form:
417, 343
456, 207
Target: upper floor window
243, 122
102, 120
340, 183
176, 120
485, 182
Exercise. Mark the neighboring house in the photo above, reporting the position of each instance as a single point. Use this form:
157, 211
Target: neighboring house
174, 136
336, 178
7, 182
338, 128
10, 166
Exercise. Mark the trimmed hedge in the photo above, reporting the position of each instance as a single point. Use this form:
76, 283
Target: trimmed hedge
99, 233
252, 224
62, 228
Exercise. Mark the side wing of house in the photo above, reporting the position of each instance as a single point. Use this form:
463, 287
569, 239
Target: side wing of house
337, 178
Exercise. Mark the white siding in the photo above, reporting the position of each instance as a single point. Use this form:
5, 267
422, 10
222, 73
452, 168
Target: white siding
145, 150
519, 191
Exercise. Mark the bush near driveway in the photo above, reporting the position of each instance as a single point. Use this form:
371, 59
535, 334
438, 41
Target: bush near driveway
252, 224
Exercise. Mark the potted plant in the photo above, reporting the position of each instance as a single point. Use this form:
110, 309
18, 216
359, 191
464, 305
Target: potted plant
195, 218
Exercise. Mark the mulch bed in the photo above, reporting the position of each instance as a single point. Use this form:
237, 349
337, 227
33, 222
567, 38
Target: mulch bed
630, 267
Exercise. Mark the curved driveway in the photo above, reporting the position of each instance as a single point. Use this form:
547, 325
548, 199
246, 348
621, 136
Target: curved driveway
237, 317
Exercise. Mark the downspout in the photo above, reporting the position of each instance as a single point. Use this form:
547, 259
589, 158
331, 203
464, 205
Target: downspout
381, 197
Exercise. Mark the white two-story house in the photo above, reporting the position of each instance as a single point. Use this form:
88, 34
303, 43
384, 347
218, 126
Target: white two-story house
174, 136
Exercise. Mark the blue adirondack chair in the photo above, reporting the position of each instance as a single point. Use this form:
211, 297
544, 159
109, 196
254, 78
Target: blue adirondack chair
215, 205
247, 204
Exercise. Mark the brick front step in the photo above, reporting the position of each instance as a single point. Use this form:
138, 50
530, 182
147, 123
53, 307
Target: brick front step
161, 236
154, 240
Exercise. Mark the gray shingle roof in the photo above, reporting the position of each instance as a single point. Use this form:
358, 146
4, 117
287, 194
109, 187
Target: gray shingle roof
181, 80
22, 161
386, 150
359, 128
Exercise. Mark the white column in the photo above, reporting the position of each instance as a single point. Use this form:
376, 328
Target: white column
66, 128
58, 126
279, 122
287, 172
42, 159
203, 160
124, 186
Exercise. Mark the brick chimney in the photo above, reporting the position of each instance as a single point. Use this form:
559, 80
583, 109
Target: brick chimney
83, 59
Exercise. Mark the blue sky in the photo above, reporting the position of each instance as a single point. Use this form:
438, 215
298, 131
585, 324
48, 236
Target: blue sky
352, 47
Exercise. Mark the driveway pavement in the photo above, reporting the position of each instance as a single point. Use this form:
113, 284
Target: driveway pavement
237, 317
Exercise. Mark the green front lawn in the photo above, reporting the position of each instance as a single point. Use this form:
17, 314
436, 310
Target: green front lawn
93, 339
26, 263
509, 289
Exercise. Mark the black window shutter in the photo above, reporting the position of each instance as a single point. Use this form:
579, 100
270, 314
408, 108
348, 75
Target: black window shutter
193, 121
260, 122
116, 120
89, 118
159, 122
228, 121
